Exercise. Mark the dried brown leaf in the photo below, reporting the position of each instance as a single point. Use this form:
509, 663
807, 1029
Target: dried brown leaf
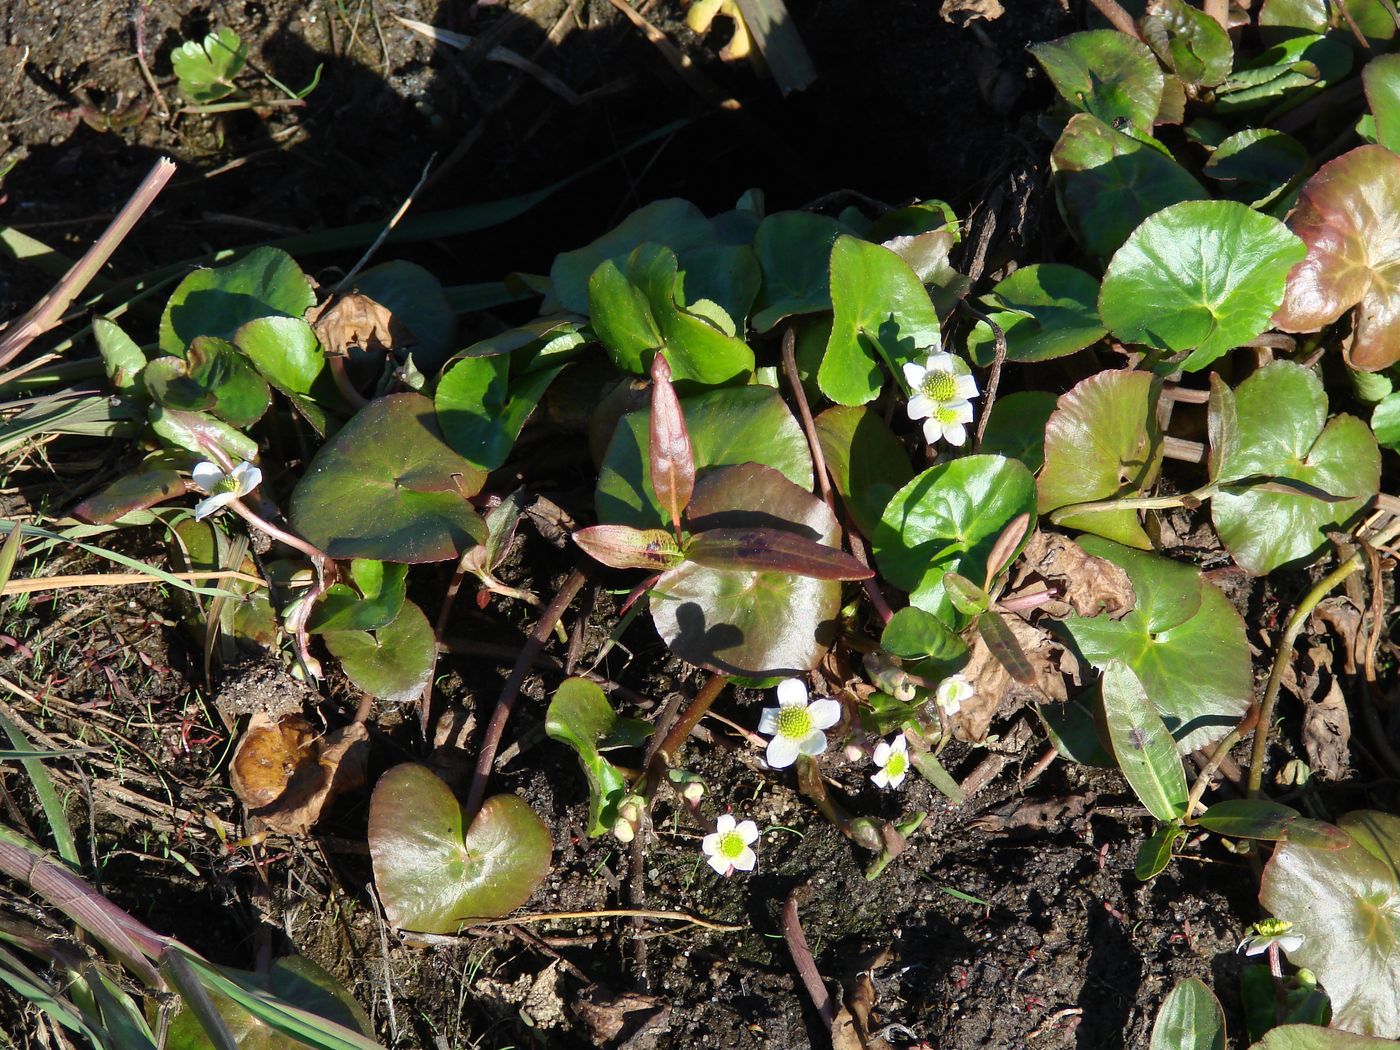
1344, 618
994, 693
286, 774
1327, 734
960, 12
356, 322
608, 1017
1088, 585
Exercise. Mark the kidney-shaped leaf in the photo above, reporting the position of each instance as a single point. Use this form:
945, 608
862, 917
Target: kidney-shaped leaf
378, 601
432, 878
579, 715
1346, 905
1348, 215
794, 251
387, 488
1203, 276
1046, 310
216, 301
1106, 73
1190, 1019
1191, 42
395, 663
1272, 426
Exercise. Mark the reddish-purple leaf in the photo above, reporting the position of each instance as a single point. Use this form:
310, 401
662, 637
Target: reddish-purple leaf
131, 493
672, 462
623, 547
1348, 214
759, 549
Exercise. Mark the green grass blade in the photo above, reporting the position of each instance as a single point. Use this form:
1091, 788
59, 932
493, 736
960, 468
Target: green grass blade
9, 554
35, 991
176, 967
54, 812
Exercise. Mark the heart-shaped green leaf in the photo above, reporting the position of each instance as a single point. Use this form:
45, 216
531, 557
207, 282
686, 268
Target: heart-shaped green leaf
1203, 276
794, 251
1272, 426
1107, 182
1016, 426
579, 715
388, 488
1348, 215
212, 375
867, 462
1141, 743
1346, 905
1192, 43
395, 663
1191, 1018
949, 518
432, 878
377, 603
1257, 164
217, 301
1183, 640
1046, 310
748, 424
1105, 73
879, 306
755, 624
206, 68
416, 298
1315, 1037
285, 350
1102, 442
1382, 80
481, 411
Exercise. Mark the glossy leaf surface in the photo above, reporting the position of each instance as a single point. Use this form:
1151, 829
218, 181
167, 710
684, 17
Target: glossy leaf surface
1189, 41
1016, 427
1105, 73
1190, 1018
794, 251
380, 596
1046, 310
579, 715
395, 663
1255, 818
623, 547
1381, 78
867, 462
217, 301
1142, 744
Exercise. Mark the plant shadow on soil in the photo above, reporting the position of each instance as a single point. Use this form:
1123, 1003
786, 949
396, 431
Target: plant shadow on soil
1068, 949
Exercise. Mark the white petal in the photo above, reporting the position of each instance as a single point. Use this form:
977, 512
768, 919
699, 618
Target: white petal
901, 745
725, 824
814, 743
914, 374
955, 434
939, 362
792, 691
768, 721
958, 411
206, 475
745, 860
721, 865
1256, 946
748, 831
896, 781
919, 407
248, 477
782, 751
881, 779
1290, 942
962, 688
932, 431
206, 507
824, 713
966, 386
882, 753
709, 845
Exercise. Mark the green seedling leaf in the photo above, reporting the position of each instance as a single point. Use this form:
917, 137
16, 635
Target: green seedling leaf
741, 425
1346, 905
146, 488
913, 634
1153, 856
1385, 421
879, 307
380, 598
1105, 73
1103, 442
794, 252
122, 359
1272, 426
672, 462
432, 878
752, 623
1107, 182
416, 298
388, 488
285, 350
1200, 276
623, 547
1016, 427
1381, 78
1191, 1017
482, 412
395, 663
198, 432
579, 715
1183, 640
206, 69
1143, 746
758, 549
1257, 164
1046, 311
966, 596
212, 375
1191, 43
1254, 818
1348, 215
932, 770
1315, 1037
218, 301
866, 461
949, 518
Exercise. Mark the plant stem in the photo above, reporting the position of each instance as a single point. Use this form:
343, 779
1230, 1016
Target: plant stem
674, 740
1117, 17
1102, 506
1217, 758
804, 412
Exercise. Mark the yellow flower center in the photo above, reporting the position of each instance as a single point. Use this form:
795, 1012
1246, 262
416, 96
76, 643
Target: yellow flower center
794, 722
227, 483
939, 386
897, 764
731, 846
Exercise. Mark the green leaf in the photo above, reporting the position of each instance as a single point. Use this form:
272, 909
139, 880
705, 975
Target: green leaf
1381, 78
1074, 728
867, 462
1377, 833
1200, 276
1293, 66
879, 306
1257, 164
482, 412
206, 69
381, 595
740, 425
387, 488
1107, 182
1103, 442
623, 547
1191, 1017
1105, 73
1348, 215
1272, 426
1346, 905
199, 431
1385, 422
1314, 1037
217, 301
751, 623
913, 634
1296, 1002
430, 876
122, 359
949, 518
1153, 856
1141, 743
395, 663
579, 715
1046, 310
794, 252
728, 276
416, 298
1183, 640
212, 375
285, 350
1192, 43
1254, 818
1016, 427
137, 491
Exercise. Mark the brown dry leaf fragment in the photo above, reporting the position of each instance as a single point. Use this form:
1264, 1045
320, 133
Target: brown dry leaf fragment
356, 322
1344, 618
1327, 735
631, 1014
1051, 815
286, 774
995, 694
960, 12
1089, 586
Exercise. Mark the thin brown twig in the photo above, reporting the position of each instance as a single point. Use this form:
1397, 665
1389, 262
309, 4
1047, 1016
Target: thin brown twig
994, 380
802, 959
804, 413
1117, 17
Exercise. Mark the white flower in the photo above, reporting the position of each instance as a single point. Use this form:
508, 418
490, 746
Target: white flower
1270, 931
893, 760
795, 725
223, 488
943, 389
951, 693
728, 846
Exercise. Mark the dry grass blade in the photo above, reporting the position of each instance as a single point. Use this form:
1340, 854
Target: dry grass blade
122, 579
503, 55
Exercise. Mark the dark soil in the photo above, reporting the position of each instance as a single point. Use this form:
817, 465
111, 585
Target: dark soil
1063, 947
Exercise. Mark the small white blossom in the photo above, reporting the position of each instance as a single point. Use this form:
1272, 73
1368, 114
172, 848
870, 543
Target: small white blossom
951, 693
223, 488
796, 725
942, 392
893, 760
1267, 932
729, 846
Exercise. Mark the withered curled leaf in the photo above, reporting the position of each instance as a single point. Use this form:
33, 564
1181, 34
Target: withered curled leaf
287, 774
